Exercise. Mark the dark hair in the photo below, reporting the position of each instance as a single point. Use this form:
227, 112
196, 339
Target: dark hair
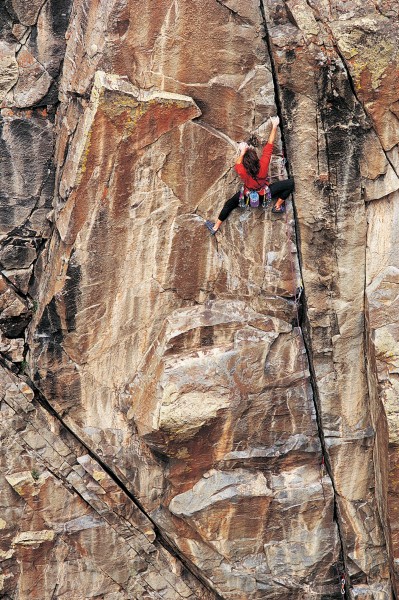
251, 162
253, 140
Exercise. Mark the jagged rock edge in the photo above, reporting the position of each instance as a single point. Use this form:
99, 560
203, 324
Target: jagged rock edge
163, 540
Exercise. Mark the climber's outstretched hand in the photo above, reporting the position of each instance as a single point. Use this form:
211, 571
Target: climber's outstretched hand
275, 121
242, 147
272, 136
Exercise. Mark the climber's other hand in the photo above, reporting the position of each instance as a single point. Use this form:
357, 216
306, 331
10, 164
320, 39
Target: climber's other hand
275, 121
242, 147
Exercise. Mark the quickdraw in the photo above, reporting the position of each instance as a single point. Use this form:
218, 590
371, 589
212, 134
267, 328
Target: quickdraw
341, 576
343, 584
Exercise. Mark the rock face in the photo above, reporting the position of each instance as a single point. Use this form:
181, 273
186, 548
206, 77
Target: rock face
61, 509
330, 202
187, 416
32, 48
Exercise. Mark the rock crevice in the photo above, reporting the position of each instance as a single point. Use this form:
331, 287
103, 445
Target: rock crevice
342, 571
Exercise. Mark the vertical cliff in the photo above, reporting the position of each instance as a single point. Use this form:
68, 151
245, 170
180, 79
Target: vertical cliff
334, 68
187, 416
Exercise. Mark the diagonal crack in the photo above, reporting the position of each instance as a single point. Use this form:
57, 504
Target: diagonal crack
216, 132
235, 14
354, 92
166, 543
76, 443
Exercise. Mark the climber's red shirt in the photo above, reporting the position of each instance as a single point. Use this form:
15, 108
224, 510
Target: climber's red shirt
255, 184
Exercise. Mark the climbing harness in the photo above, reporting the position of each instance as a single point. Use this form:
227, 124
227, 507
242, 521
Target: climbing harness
251, 198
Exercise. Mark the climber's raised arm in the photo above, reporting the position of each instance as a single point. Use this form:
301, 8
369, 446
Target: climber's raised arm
275, 122
268, 149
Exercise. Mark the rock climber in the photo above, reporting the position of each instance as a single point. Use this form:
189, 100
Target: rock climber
253, 171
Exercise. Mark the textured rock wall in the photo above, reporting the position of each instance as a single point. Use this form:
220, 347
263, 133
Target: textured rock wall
177, 387
210, 435
348, 160
68, 528
32, 48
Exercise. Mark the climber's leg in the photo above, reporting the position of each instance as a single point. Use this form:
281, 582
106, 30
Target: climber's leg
230, 205
281, 190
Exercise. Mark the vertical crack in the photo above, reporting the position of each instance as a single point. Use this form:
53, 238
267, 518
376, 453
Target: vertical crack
276, 87
304, 324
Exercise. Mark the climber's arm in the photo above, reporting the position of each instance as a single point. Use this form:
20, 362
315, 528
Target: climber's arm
275, 121
268, 149
239, 167
243, 146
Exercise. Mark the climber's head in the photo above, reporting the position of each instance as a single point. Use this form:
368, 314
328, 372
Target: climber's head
251, 162
253, 140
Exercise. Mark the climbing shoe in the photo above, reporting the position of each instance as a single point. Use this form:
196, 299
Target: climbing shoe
209, 225
279, 210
